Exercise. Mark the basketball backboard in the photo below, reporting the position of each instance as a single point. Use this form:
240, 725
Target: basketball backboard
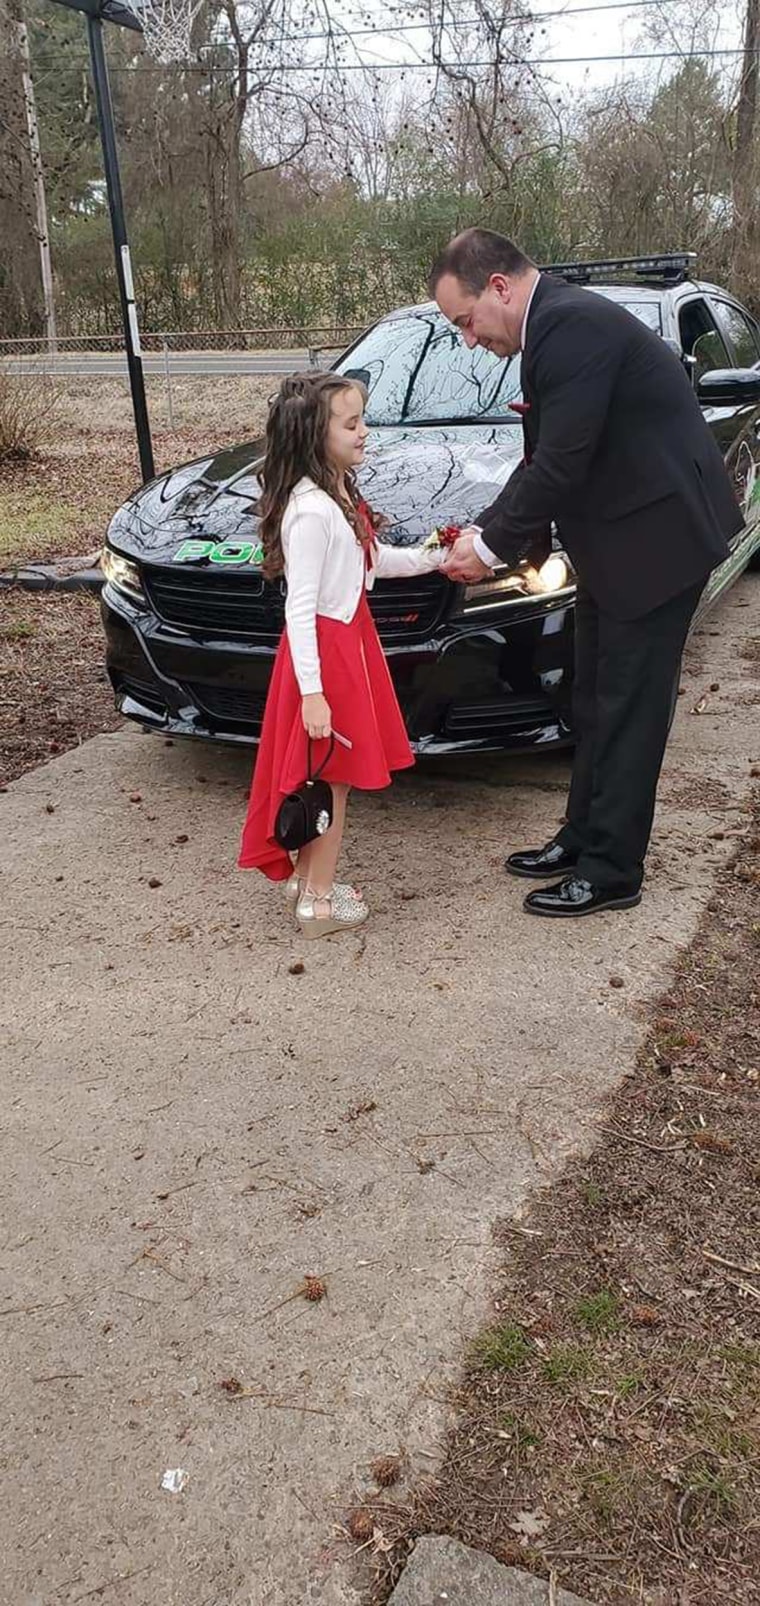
165, 24
125, 16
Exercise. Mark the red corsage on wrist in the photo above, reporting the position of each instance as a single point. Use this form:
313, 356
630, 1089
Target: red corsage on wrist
444, 535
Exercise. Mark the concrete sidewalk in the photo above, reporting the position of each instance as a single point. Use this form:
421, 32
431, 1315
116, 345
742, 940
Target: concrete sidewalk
190, 1129
441, 1572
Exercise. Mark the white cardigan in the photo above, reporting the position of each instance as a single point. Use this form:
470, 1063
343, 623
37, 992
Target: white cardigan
325, 570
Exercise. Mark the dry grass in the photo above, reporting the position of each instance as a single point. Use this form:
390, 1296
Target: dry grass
608, 1421
59, 501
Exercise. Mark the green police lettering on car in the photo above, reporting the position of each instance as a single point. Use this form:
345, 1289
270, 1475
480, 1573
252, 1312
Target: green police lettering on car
193, 549
222, 552
232, 552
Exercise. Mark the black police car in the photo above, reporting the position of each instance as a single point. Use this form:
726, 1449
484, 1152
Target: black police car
192, 627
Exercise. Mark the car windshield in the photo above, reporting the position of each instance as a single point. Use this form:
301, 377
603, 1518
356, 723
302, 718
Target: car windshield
418, 370
647, 312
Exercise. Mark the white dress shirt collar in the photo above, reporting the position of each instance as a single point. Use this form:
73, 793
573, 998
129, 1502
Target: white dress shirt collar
524, 327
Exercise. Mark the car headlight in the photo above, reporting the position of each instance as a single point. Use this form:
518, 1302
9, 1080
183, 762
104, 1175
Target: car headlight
556, 574
121, 573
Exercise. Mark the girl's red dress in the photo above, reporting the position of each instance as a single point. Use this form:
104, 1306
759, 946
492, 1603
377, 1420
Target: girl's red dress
357, 685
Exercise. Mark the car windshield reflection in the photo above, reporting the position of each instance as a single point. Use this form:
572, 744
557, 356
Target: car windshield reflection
418, 371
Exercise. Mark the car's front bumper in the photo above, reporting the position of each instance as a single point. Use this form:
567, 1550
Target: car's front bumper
494, 682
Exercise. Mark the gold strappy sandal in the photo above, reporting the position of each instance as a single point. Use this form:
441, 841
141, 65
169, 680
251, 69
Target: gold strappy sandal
293, 890
347, 912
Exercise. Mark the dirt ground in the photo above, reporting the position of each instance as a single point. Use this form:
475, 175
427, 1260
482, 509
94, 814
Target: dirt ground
608, 1421
54, 690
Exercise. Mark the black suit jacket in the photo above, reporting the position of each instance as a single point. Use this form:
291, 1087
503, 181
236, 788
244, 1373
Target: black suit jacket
617, 454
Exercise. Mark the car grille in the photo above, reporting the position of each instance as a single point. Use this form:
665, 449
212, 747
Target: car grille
499, 718
227, 705
148, 693
410, 610
247, 608
241, 606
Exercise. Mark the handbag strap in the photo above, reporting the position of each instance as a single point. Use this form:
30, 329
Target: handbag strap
310, 778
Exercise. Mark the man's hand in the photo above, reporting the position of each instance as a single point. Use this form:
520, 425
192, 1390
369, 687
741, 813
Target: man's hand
462, 562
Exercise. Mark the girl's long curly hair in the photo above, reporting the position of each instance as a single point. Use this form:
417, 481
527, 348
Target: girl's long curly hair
296, 445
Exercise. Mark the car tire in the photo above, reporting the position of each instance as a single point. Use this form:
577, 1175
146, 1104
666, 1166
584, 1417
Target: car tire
754, 562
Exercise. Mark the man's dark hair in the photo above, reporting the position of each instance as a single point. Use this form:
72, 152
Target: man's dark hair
474, 255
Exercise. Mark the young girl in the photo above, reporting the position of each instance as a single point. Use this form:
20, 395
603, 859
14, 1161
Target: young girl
330, 674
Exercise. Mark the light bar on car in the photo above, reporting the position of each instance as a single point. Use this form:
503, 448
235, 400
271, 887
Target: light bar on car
669, 267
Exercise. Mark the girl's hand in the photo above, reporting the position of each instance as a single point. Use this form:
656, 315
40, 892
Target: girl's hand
316, 715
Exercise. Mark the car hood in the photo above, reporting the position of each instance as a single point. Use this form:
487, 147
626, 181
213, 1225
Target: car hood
417, 478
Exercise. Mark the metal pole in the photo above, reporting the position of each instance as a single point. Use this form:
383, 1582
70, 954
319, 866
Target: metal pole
168, 384
121, 245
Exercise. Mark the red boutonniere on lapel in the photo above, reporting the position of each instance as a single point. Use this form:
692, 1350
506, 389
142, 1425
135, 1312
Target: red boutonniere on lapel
523, 408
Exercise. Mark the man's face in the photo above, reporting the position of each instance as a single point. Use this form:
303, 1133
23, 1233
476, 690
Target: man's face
492, 319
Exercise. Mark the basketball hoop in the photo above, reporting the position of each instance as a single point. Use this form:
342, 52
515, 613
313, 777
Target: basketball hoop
167, 26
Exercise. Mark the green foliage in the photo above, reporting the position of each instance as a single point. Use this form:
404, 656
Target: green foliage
598, 1312
68, 128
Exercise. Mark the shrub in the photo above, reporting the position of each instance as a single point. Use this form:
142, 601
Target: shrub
27, 402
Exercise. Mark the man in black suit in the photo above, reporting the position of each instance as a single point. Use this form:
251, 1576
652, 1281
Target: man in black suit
617, 453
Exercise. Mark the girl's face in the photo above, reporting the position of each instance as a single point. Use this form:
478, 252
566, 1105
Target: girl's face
346, 431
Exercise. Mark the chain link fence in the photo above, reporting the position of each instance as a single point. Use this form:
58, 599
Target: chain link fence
307, 337
202, 384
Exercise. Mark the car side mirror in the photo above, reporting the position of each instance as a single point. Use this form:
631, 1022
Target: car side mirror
730, 387
362, 374
687, 362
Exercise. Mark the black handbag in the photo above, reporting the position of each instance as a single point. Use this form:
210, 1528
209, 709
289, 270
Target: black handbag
307, 812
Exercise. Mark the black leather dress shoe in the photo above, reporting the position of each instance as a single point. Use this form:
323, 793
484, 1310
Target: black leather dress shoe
574, 896
541, 862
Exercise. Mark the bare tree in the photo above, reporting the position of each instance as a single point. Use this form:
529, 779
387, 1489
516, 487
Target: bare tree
259, 73
21, 301
500, 93
356, 137
745, 166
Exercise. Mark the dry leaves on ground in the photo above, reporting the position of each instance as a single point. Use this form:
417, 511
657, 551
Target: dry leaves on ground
608, 1421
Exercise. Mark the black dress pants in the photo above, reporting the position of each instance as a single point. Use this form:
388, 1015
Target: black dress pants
626, 673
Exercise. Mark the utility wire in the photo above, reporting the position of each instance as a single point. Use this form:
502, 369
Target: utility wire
390, 30
529, 20
402, 67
